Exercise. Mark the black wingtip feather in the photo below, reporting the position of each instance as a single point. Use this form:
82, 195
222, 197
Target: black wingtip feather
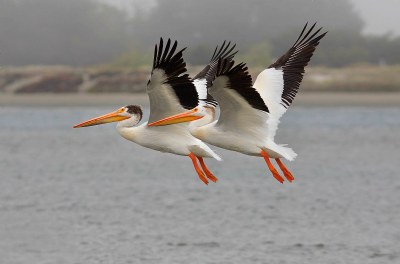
217, 54
166, 50
174, 66
301, 34
295, 60
215, 50
173, 49
225, 51
240, 80
160, 49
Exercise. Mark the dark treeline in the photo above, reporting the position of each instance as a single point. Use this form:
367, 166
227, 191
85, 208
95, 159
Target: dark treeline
73, 32
84, 32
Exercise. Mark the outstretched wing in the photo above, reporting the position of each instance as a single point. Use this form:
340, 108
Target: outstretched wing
279, 83
203, 80
170, 89
241, 107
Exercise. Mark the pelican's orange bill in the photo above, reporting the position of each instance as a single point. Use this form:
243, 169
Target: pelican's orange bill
107, 118
179, 118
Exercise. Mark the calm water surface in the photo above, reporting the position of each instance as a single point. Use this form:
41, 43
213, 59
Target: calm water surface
89, 196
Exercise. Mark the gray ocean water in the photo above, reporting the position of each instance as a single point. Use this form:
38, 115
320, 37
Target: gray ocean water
89, 196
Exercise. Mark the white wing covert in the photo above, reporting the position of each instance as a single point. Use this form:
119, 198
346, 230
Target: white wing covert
203, 80
280, 82
241, 106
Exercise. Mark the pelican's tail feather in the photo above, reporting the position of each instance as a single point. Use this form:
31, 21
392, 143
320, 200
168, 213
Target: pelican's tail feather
280, 150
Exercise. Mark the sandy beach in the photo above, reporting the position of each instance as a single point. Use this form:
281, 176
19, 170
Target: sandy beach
320, 99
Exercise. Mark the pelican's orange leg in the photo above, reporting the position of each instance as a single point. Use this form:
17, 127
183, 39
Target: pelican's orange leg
197, 168
208, 173
285, 171
271, 167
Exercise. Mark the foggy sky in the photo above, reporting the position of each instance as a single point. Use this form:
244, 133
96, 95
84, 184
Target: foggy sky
380, 16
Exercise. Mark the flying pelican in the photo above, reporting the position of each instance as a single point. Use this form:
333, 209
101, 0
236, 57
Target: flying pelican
250, 114
170, 91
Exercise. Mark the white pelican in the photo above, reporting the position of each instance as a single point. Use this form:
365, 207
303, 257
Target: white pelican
249, 114
170, 91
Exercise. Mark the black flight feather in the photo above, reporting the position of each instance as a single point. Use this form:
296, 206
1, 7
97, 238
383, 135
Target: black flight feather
174, 66
226, 51
295, 60
240, 81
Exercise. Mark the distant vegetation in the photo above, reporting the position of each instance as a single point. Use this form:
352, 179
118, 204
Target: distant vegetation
357, 78
87, 32
71, 32
53, 79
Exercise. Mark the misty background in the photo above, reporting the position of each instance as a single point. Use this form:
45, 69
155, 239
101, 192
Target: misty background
123, 33
89, 196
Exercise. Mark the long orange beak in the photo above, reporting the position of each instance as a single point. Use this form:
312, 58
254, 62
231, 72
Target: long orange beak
107, 118
179, 118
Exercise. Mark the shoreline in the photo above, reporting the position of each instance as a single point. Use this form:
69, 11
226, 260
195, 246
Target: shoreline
320, 99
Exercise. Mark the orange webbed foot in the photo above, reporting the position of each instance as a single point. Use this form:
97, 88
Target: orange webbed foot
208, 173
197, 168
285, 171
271, 167
278, 177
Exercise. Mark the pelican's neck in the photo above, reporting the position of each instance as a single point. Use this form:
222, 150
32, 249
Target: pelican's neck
207, 119
198, 127
126, 128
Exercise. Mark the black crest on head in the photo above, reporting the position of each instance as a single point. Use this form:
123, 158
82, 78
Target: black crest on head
134, 110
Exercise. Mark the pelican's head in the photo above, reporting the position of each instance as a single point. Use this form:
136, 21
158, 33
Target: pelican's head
128, 116
201, 115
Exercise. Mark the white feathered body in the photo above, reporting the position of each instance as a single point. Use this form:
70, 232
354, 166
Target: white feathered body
171, 139
243, 128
